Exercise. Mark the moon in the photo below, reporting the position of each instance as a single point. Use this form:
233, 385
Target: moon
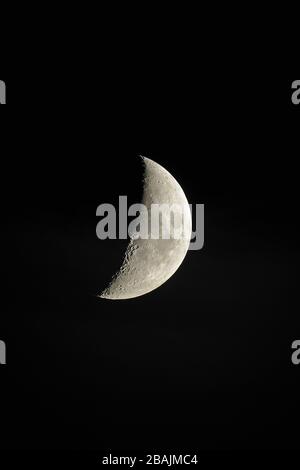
149, 263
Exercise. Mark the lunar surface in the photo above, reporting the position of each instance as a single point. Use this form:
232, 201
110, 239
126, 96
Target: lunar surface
149, 263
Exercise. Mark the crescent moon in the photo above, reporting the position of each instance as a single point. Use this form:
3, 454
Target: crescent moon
149, 263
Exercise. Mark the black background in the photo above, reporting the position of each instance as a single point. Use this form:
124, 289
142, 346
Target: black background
203, 362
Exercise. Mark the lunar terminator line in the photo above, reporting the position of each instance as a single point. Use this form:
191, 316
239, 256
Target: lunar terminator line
149, 263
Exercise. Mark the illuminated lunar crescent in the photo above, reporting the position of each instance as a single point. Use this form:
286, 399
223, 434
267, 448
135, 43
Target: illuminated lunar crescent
149, 263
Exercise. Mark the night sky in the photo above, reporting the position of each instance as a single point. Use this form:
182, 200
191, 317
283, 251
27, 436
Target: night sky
205, 360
